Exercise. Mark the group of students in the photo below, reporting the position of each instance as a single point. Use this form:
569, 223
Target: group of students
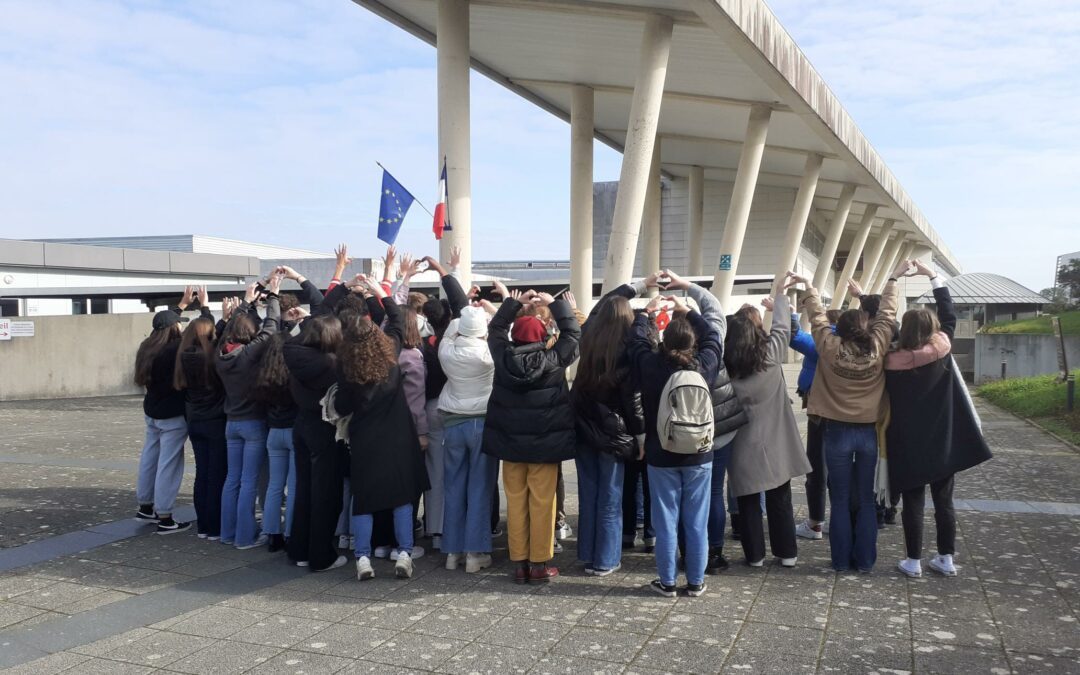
377, 397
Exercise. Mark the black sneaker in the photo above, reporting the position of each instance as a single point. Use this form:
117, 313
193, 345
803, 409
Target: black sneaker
146, 514
695, 590
663, 589
170, 526
735, 531
717, 563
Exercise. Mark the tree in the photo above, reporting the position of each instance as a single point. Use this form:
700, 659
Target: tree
1057, 300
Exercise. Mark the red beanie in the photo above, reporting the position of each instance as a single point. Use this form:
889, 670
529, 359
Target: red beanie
528, 329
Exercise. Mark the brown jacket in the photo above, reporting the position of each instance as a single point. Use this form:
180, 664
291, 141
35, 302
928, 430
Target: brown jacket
848, 386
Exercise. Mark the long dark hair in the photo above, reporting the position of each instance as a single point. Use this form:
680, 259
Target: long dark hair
412, 338
679, 343
918, 326
149, 350
603, 344
322, 332
272, 380
746, 345
851, 327
199, 336
242, 329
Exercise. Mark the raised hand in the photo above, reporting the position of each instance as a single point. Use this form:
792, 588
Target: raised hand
652, 279
528, 296
405, 269
296, 314
854, 288
388, 261
288, 272
903, 269
680, 307
767, 303
435, 265
675, 282
516, 295
455, 256
486, 305
569, 297
275, 283
500, 288
250, 292
543, 299
792, 279
924, 269
185, 299
343, 259
474, 292
656, 304
204, 297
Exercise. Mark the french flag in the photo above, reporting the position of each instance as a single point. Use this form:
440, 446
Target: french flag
441, 222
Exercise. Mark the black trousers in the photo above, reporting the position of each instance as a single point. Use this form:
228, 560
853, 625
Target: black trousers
319, 484
560, 500
636, 470
781, 524
815, 480
211, 466
944, 516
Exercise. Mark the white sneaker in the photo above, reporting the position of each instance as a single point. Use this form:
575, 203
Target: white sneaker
789, 562
382, 552
403, 568
259, 541
760, 563
364, 570
910, 567
563, 532
825, 527
474, 562
340, 562
417, 553
343, 542
805, 531
453, 560
943, 564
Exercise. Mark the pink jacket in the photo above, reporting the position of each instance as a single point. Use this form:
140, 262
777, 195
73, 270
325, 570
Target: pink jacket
908, 359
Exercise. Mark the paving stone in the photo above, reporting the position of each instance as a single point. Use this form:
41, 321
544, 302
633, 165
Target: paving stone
267, 600
559, 664
388, 615
224, 658
301, 663
938, 658
488, 659
633, 617
332, 608
158, 650
345, 640
530, 634
600, 644
410, 650
279, 631
358, 666
57, 595
1041, 663
12, 613
218, 622
756, 660
13, 585
847, 653
861, 622
665, 653
105, 667
48, 665
457, 623
553, 608
712, 630
779, 639
103, 647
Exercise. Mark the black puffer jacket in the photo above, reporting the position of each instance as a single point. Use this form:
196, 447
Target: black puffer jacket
728, 413
529, 417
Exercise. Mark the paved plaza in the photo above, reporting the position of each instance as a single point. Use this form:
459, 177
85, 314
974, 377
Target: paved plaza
83, 588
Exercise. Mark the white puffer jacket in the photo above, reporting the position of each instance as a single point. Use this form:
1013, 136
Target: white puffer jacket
469, 368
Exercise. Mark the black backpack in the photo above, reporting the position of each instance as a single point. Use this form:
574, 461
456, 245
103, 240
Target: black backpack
602, 429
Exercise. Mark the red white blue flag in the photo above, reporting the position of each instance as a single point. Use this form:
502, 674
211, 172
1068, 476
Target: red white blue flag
441, 222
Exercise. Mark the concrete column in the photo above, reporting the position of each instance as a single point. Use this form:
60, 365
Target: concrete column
804, 199
872, 259
696, 194
637, 153
650, 221
888, 261
452, 62
581, 196
832, 237
742, 196
853, 255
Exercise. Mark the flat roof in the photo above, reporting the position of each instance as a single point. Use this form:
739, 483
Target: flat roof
726, 56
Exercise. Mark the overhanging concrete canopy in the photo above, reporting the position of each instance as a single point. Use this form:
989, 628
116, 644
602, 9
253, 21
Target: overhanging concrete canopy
726, 56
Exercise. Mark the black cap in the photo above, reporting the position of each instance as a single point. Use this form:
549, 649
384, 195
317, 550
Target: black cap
165, 318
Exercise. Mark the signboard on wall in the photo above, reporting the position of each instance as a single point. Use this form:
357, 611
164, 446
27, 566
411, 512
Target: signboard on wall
5, 329
22, 329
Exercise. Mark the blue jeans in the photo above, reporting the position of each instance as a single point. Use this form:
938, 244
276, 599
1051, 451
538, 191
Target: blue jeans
600, 486
246, 442
403, 531
851, 460
717, 512
161, 464
469, 478
282, 456
681, 494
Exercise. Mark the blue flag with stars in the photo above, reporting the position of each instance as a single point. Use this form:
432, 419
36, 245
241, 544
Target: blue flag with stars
395, 202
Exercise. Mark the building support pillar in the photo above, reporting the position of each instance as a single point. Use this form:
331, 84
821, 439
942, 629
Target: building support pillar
581, 196
888, 263
872, 259
638, 151
696, 194
832, 237
742, 195
650, 222
452, 65
804, 199
853, 256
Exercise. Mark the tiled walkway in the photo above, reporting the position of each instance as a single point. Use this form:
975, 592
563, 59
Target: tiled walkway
141, 603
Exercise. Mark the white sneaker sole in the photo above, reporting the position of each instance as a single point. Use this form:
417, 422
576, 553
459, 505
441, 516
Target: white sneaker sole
942, 571
909, 573
811, 535
473, 568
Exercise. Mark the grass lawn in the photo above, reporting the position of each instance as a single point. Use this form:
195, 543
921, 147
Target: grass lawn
1070, 325
1041, 399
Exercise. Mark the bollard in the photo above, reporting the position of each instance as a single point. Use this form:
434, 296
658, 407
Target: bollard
1070, 393
1003, 364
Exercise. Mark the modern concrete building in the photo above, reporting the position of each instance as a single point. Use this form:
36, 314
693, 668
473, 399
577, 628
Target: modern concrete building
1061, 261
764, 169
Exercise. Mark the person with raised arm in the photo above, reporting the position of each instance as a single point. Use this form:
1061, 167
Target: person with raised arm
847, 396
933, 431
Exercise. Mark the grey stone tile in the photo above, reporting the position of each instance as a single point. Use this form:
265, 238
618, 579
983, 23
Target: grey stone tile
595, 643
106, 667
411, 650
279, 631
862, 623
12, 585
358, 666
345, 640
12, 613
457, 623
218, 622
1041, 663
863, 654
159, 650
421, 592
712, 630
781, 639
49, 665
104, 646
665, 653
547, 608
93, 602
559, 664
301, 663
323, 607
225, 658
388, 615
529, 634
939, 658
755, 660
636, 618
57, 595
488, 659
269, 600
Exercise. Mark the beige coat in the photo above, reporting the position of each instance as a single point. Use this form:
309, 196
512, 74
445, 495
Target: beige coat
768, 451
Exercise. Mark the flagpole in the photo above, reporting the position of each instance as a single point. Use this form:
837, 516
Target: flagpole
413, 196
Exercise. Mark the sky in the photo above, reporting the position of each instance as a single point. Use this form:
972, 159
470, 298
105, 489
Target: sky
263, 120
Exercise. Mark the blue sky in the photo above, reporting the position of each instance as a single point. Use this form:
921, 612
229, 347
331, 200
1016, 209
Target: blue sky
263, 119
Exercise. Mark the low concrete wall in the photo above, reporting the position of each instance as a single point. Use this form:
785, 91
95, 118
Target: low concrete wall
1024, 355
73, 357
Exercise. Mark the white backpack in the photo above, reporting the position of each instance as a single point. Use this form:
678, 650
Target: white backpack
685, 419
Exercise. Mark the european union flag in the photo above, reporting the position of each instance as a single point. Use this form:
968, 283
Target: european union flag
396, 201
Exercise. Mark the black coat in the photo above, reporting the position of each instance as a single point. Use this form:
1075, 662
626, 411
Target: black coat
387, 463
162, 401
932, 430
529, 417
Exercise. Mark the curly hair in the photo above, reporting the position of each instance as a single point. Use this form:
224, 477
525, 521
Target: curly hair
366, 354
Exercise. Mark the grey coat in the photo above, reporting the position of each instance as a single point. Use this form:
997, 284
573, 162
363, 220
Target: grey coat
768, 451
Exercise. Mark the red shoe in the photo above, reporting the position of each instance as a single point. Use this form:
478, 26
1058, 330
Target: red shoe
543, 573
521, 574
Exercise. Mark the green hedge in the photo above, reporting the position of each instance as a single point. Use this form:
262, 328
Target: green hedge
1070, 325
